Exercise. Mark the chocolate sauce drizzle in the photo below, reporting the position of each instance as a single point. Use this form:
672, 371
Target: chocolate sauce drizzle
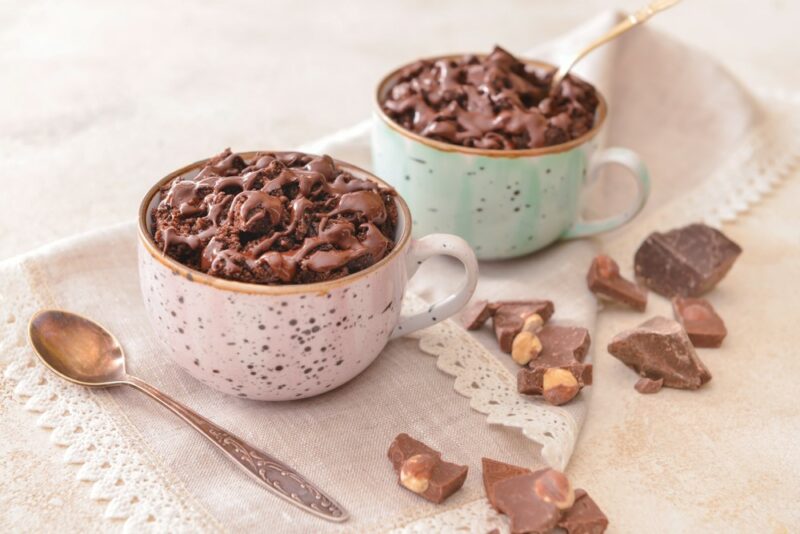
278, 219
496, 102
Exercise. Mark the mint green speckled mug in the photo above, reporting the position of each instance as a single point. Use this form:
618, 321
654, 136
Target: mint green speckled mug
504, 203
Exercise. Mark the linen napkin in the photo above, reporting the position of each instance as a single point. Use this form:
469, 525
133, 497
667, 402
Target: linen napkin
339, 440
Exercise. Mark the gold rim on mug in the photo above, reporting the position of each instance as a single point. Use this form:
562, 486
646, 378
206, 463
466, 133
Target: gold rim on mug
194, 275
389, 81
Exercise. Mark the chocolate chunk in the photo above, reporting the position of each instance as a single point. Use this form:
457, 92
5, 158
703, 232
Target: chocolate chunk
661, 349
701, 322
421, 469
604, 280
563, 347
517, 498
687, 261
494, 472
585, 517
476, 315
509, 316
646, 385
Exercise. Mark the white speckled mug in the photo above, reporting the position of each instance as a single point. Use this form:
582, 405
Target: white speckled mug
290, 341
504, 203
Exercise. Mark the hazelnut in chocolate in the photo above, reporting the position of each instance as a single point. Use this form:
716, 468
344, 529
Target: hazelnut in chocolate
277, 218
688, 261
494, 102
509, 317
605, 281
660, 349
697, 316
421, 469
558, 373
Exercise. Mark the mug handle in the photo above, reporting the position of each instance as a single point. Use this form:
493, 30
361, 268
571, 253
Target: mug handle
439, 245
631, 161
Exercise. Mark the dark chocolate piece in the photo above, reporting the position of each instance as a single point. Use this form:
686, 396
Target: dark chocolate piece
687, 261
604, 280
476, 315
517, 498
701, 322
585, 517
509, 316
660, 348
279, 218
647, 385
494, 471
563, 347
495, 102
421, 469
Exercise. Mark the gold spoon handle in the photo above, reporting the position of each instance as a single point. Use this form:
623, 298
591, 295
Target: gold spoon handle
276, 476
630, 21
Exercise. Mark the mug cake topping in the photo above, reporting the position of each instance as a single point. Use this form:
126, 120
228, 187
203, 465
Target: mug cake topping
279, 218
496, 103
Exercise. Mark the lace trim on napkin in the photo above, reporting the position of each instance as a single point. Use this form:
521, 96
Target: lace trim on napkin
135, 488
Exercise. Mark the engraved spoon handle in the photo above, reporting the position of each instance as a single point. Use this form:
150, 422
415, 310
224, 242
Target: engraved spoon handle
629, 22
273, 474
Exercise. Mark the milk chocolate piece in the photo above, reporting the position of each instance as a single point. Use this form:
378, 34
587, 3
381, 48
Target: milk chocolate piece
660, 348
446, 478
494, 472
564, 347
604, 280
687, 261
647, 386
476, 315
517, 498
585, 517
701, 322
509, 317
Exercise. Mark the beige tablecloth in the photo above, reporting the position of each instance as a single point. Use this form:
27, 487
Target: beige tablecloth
631, 449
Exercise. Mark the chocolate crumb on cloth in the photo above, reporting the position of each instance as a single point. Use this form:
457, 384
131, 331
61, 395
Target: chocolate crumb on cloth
558, 372
421, 469
701, 322
279, 218
605, 281
687, 261
496, 102
648, 386
661, 349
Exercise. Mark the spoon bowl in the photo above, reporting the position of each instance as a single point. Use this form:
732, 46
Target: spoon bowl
77, 349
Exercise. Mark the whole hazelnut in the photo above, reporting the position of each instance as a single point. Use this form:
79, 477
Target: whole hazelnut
415, 473
553, 487
559, 386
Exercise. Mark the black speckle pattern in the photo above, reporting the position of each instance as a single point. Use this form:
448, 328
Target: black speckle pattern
274, 347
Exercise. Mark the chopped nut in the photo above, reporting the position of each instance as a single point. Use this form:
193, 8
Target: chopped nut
553, 487
526, 345
415, 474
559, 386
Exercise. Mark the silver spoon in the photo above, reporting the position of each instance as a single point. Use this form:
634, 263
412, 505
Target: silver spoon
83, 352
629, 22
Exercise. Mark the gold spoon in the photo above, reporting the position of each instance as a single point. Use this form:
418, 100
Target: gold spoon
83, 352
630, 21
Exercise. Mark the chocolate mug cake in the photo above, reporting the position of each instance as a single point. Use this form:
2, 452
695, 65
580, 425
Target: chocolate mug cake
494, 102
287, 218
